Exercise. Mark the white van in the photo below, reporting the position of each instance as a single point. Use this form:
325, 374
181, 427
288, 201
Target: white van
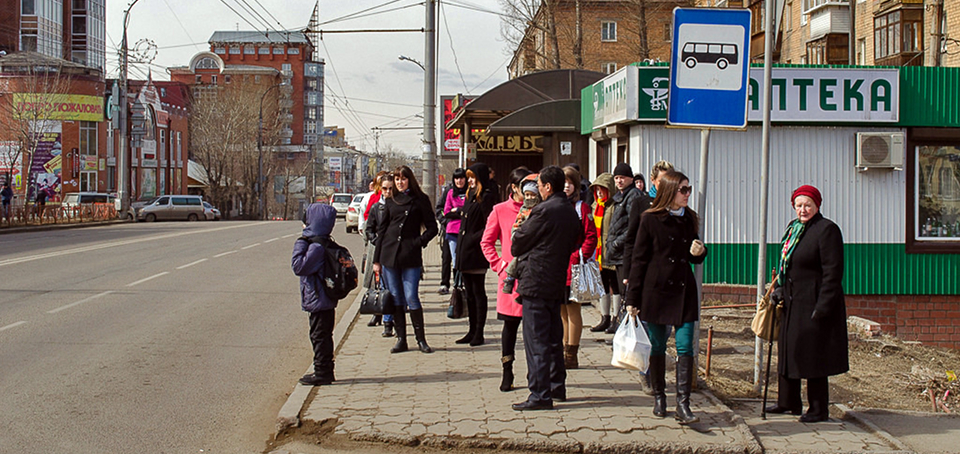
173, 208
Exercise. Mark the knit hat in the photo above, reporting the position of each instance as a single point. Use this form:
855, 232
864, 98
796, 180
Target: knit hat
530, 186
623, 170
808, 191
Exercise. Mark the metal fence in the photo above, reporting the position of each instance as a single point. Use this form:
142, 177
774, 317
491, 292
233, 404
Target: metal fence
27, 214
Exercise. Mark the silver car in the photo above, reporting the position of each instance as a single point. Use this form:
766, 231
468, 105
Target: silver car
173, 208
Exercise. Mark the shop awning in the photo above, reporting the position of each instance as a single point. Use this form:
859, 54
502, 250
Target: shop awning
522, 92
550, 116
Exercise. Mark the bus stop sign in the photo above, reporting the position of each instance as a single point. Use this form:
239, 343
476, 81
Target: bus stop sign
709, 68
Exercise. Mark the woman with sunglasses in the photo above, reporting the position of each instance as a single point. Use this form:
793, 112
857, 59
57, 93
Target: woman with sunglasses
663, 289
407, 226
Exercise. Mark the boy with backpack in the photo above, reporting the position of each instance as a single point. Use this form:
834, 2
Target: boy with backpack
327, 274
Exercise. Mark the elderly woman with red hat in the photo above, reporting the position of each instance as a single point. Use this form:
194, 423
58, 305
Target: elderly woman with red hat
812, 342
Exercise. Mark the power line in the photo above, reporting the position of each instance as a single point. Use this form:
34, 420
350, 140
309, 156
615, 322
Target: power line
491, 74
336, 74
456, 62
348, 16
244, 18
179, 22
270, 14
477, 8
256, 15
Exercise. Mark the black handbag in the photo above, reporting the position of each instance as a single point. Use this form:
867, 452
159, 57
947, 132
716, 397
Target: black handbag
457, 308
377, 300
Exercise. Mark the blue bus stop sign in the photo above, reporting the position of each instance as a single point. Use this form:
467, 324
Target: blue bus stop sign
709, 67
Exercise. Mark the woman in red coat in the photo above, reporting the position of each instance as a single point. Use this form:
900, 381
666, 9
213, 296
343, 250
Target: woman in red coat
498, 227
570, 311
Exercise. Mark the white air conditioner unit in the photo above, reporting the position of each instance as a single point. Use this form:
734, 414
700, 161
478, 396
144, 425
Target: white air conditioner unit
880, 150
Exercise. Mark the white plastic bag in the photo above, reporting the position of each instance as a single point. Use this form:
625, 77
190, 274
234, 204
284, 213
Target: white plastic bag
631, 346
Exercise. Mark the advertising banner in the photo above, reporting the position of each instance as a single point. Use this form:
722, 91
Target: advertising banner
10, 164
45, 170
49, 106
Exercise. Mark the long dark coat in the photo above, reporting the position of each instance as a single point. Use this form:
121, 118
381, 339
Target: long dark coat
406, 227
662, 284
548, 237
814, 348
473, 219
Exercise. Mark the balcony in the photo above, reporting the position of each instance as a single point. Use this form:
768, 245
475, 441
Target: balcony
286, 134
810, 6
285, 103
830, 19
286, 118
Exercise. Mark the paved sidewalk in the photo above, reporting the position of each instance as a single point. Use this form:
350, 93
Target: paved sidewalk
451, 399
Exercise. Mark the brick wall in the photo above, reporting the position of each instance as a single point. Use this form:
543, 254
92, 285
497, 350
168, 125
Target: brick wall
931, 319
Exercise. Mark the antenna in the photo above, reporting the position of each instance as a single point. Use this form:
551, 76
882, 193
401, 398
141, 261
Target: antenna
313, 32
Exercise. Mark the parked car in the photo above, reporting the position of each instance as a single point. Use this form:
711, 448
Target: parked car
173, 207
361, 222
72, 201
211, 213
355, 212
340, 201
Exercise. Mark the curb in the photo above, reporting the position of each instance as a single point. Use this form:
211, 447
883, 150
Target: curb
289, 415
846, 413
752, 448
72, 225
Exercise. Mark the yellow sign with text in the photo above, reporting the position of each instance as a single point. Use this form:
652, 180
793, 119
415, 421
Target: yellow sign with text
48, 106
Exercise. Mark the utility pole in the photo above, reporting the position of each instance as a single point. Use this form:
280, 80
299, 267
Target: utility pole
123, 158
429, 100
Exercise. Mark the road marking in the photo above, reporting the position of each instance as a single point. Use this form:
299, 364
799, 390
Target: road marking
148, 278
250, 246
271, 240
95, 247
191, 264
290, 235
12, 325
80, 302
223, 254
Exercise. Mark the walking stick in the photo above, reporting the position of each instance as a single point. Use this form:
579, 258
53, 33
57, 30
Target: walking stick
773, 322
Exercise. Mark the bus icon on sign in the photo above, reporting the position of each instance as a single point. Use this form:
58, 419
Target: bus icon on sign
721, 54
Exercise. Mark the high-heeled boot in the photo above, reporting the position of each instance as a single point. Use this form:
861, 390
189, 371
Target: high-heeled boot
375, 320
506, 382
570, 360
658, 384
400, 325
604, 306
685, 377
615, 314
416, 319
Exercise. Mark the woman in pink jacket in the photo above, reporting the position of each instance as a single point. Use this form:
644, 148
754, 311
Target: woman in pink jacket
499, 224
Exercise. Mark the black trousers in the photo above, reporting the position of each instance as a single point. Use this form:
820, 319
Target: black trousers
321, 336
818, 395
543, 342
446, 260
477, 303
508, 336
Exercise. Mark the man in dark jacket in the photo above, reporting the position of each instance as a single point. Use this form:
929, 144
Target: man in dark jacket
307, 262
619, 223
546, 240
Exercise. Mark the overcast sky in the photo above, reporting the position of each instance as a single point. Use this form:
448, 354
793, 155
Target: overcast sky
368, 86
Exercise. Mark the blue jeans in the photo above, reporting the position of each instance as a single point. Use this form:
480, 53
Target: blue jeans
660, 333
452, 241
404, 285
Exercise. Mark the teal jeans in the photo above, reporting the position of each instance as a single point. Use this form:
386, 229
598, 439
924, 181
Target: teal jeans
659, 334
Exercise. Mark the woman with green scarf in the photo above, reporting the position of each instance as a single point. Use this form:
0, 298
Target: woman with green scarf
812, 342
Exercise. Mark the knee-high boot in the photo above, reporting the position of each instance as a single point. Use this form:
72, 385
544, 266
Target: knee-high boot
416, 319
506, 382
685, 377
658, 384
400, 326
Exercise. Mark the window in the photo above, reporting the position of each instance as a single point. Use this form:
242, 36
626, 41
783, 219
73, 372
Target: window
163, 92
226, 78
220, 50
88, 181
896, 32
256, 79
609, 68
264, 51
758, 13
88, 138
213, 79
80, 25
28, 7
199, 79
277, 51
788, 17
249, 50
608, 31
862, 51
286, 67
310, 127
937, 196
667, 32
293, 51
235, 50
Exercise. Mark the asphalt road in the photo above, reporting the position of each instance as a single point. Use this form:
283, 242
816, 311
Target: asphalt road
160, 337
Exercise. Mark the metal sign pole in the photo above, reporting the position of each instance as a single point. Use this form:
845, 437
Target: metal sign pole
701, 209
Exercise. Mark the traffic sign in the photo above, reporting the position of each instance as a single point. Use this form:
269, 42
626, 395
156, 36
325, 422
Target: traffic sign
709, 66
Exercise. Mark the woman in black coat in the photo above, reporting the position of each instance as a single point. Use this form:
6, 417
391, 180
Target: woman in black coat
407, 226
471, 262
812, 342
663, 289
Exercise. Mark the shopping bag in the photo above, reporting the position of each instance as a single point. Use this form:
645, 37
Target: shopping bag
631, 346
585, 283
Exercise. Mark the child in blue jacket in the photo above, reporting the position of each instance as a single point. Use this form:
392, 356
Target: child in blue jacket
307, 262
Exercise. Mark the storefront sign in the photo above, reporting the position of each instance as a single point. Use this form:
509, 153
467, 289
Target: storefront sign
50, 106
613, 98
800, 95
506, 144
451, 137
335, 163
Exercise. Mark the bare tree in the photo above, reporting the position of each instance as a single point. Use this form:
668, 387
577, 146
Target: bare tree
34, 90
524, 20
638, 13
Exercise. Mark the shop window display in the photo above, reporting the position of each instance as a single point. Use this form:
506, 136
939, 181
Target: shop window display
938, 193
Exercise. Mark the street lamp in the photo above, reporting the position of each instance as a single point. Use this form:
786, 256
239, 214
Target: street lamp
402, 58
260, 152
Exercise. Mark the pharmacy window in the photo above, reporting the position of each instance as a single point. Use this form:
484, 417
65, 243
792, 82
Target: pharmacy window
608, 31
933, 202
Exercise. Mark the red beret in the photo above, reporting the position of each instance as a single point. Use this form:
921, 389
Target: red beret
808, 191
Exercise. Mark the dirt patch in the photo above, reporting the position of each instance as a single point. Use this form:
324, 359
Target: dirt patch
885, 372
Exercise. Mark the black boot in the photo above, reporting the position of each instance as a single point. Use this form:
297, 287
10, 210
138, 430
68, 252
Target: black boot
387, 329
480, 323
470, 334
400, 324
685, 377
506, 383
375, 320
614, 324
416, 319
658, 384
603, 325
